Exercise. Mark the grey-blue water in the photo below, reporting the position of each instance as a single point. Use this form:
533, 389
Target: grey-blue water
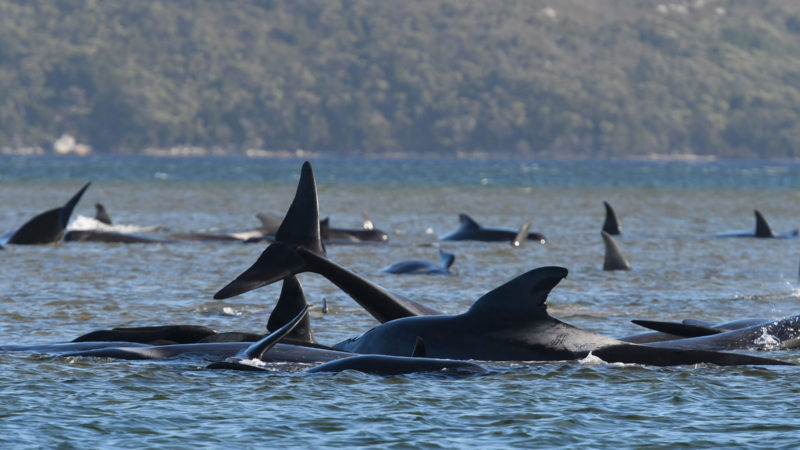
668, 211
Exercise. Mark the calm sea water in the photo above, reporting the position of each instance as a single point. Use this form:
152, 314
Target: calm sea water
668, 213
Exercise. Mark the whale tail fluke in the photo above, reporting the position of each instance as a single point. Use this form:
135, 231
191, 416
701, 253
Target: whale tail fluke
300, 229
614, 259
763, 230
49, 226
611, 224
300, 226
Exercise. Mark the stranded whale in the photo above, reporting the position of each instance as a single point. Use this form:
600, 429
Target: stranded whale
511, 323
762, 230
330, 235
421, 266
252, 358
508, 323
471, 231
753, 334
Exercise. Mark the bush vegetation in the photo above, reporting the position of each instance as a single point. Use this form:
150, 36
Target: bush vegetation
574, 78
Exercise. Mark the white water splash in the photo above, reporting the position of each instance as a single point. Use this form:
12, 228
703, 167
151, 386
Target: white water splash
767, 341
592, 360
84, 223
232, 311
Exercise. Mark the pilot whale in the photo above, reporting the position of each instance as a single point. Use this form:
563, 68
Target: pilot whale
470, 230
112, 237
752, 334
508, 323
421, 266
762, 230
330, 235
47, 227
198, 342
511, 323
252, 358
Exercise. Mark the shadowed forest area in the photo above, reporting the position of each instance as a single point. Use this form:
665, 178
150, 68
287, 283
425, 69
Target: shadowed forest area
567, 78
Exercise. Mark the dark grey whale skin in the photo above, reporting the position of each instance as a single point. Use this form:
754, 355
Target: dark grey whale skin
470, 230
508, 323
49, 226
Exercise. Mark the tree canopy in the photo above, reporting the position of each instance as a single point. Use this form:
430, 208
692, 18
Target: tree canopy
576, 78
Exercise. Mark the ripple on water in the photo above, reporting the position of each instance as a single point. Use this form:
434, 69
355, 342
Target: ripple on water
53, 293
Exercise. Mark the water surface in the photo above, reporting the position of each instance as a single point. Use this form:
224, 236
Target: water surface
669, 211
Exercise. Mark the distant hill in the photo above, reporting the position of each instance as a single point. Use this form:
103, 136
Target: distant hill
568, 78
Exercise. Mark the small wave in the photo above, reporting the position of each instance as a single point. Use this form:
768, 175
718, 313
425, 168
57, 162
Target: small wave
592, 360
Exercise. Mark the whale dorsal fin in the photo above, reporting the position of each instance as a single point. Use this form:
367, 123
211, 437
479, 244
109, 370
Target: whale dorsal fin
446, 259
522, 298
291, 301
300, 226
467, 222
763, 230
611, 225
48, 226
325, 228
101, 215
522, 235
419, 349
614, 259
257, 349
677, 328
269, 222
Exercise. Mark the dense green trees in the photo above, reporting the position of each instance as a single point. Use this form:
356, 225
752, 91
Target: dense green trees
528, 77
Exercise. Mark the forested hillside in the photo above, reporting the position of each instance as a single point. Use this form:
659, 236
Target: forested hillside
570, 78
